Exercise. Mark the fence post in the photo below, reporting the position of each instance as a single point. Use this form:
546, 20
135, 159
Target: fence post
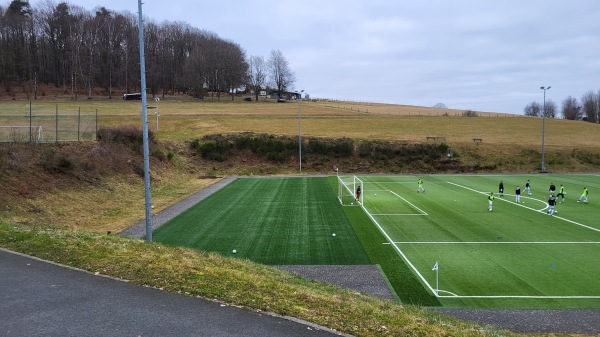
96, 124
78, 121
56, 130
30, 124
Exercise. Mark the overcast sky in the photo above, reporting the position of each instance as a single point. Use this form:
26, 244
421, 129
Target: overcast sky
479, 55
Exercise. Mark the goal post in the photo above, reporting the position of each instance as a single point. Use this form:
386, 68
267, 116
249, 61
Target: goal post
20, 134
347, 188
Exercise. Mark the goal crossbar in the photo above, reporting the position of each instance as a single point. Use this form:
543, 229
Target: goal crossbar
348, 187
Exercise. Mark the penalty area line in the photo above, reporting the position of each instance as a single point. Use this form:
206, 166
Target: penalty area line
529, 208
408, 202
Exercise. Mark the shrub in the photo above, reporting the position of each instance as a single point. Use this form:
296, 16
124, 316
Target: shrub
214, 151
128, 134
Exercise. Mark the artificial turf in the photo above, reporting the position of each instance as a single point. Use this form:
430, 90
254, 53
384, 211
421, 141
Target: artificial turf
275, 221
515, 256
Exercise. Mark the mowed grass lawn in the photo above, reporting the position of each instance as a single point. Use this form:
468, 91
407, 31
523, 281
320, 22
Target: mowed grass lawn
515, 256
275, 221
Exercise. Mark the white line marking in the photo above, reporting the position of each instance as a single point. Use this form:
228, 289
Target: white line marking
389, 239
408, 202
436, 293
524, 296
495, 243
399, 214
539, 211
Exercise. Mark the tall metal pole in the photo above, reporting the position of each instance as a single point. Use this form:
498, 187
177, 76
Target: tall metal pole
299, 132
543, 119
145, 126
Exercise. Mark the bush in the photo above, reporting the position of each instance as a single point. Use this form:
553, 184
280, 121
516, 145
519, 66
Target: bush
129, 134
214, 151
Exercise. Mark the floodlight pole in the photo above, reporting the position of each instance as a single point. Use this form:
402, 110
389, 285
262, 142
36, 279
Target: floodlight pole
299, 131
145, 126
543, 119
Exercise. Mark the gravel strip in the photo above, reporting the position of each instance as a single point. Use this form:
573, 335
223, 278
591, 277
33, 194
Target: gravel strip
138, 230
567, 321
366, 279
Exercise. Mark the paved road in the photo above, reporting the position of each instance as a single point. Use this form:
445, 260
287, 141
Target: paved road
38, 298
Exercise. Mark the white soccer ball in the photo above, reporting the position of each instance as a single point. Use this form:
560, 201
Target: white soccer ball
234, 251
353, 203
333, 234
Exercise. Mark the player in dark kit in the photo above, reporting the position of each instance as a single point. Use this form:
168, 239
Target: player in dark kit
501, 188
518, 194
552, 188
551, 204
358, 191
527, 187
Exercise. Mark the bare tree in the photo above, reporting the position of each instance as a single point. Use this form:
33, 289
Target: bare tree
440, 106
550, 109
257, 74
18, 43
590, 104
571, 108
533, 109
281, 74
69, 46
235, 67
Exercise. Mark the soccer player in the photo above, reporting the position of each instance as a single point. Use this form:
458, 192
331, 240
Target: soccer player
420, 186
527, 187
551, 203
501, 188
552, 189
490, 201
358, 191
584, 195
561, 193
518, 194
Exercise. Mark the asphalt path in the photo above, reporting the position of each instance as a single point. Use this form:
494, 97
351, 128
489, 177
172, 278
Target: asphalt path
39, 298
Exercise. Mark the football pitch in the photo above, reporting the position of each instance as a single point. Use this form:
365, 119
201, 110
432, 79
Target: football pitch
514, 256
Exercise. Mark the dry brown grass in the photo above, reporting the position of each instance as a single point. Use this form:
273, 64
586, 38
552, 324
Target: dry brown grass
182, 119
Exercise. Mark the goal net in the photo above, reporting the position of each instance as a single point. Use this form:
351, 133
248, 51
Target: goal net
21, 134
347, 190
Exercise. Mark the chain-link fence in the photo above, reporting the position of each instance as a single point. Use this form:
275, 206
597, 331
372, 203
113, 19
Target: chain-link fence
46, 126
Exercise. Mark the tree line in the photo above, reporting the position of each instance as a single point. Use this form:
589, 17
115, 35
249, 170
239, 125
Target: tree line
69, 47
586, 109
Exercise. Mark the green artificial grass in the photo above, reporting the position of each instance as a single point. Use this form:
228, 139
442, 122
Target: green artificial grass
514, 256
275, 221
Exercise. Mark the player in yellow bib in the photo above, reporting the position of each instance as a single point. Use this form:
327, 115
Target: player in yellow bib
561, 193
584, 195
420, 186
490, 201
